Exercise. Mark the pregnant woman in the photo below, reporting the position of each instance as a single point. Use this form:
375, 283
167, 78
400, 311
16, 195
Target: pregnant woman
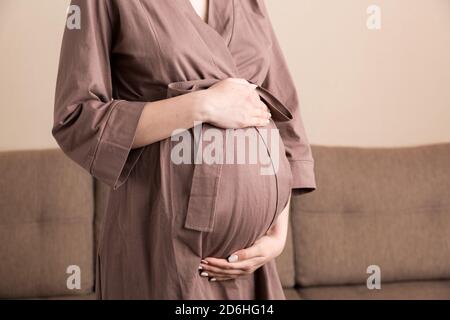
132, 73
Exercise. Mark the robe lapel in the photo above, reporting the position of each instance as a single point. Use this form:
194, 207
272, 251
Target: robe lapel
217, 34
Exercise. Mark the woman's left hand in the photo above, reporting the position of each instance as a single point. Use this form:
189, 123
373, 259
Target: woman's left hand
247, 261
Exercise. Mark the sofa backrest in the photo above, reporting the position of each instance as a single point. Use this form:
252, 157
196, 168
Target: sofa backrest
46, 224
384, 207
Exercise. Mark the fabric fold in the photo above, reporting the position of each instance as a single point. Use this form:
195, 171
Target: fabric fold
114, 158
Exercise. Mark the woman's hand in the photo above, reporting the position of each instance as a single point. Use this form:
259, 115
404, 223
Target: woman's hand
247, 261
229, 104
234, 104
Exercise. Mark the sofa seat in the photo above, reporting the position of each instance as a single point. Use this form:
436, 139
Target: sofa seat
418, 290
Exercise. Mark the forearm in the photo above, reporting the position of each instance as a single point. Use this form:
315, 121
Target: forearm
160, 119
280, 227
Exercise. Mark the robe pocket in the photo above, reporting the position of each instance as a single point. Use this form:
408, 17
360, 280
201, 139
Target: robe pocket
202, 204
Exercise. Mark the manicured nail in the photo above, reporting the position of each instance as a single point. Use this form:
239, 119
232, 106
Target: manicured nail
204, 262
213, 279
204, 274
233, 258
200, 268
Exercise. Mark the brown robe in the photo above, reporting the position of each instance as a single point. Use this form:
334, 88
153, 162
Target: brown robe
163, 218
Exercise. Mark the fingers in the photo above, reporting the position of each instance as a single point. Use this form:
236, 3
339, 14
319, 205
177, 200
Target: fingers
256, 101
245, 107
253, 95
215, 271
221, 279
254, 122
241, 263
220, 263
223, 267
261, 113
259, 110
263, 106
213, 278
259, 117
246, 254
257, 104
243, 268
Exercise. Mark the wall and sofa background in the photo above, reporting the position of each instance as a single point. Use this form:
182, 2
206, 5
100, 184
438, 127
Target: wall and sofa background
358, 87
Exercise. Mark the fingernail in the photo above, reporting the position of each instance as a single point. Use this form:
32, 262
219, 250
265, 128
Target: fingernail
204, 262
213, 279
233, 258
200, 268
204, 274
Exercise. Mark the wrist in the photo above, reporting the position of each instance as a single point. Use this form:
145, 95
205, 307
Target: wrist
202, 107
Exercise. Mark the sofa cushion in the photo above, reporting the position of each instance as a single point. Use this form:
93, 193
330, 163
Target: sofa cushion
419, 290
46, 224
292, 294
90, 296
383, 207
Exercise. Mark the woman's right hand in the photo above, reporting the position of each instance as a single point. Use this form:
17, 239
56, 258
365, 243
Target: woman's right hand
234, 104
229, 104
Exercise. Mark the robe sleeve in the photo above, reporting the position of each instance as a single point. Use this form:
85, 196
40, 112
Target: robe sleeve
280, 83
92, 128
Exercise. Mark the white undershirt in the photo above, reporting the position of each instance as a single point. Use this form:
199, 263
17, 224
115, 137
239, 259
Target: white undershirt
201, 7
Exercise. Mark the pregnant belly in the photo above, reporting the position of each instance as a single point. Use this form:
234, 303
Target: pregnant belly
252, 191
245, 208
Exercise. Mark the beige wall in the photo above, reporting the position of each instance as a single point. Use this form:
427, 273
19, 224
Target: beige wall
30, 33
389, 87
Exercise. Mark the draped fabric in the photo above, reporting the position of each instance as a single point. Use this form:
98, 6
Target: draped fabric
162, 217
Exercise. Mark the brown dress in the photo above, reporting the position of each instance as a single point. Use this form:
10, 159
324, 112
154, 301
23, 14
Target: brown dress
162, 217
